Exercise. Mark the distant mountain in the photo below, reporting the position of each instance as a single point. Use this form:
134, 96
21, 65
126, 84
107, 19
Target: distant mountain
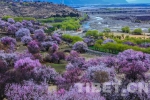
140, 1
36, 10
116, 1
73, 2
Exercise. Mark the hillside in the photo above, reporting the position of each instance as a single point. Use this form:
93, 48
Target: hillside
37, 10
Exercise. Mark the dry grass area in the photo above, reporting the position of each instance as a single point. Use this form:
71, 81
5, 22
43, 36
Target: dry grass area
88, 56
21, 48
136, 36
52, 88
64, 46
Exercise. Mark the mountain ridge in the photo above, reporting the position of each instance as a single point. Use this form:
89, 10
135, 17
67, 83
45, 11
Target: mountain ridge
73, 2
36, 10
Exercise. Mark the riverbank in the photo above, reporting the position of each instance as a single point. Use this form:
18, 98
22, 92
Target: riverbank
115, 18
100, 22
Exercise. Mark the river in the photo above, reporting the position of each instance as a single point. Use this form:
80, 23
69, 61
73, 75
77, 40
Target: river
98, 22
113, 21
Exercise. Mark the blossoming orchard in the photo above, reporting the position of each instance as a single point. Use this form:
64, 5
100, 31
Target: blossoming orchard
35, 65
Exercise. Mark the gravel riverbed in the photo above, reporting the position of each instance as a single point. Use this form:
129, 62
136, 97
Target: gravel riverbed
100, 22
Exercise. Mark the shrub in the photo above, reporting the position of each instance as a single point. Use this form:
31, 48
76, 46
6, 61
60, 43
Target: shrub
33, 47
76, 39
77, 62
73, 94
8, 40
70, 25
22, 32
39, 35
48, 38
37, 56
133, 64
72, 76
11, 20
108, 41
126, 29
109, 61
9, 58
101, 76
46, 45
129, 43
27, 64
80, 47
9, 43
69, 78
98, 42
12, 29
72, 39
69, 66
92, 62
26, 39
67, 37
93, 33
44, 74
57, 56
6, 18
27, 23
31, 29
99, 69
3, 67
56, 37
53, 48
7, 24
73, 54
145, 45
2, 25
89, 41
137, 31
106, 30
18, 19
149, 30
27, 91
25, 54
18, 25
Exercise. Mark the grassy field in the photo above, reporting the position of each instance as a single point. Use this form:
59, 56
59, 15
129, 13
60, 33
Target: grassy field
60, 68
88, 56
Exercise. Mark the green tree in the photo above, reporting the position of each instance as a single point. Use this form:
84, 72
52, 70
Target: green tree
93, 33
137, 31
149, 30
72, 39
106, 30
99, 42
126, 29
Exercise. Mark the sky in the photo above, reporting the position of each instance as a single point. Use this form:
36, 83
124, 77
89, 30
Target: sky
131, 0
138, 1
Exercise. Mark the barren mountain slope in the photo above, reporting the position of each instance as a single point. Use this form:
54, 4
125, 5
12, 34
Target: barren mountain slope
37, 10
